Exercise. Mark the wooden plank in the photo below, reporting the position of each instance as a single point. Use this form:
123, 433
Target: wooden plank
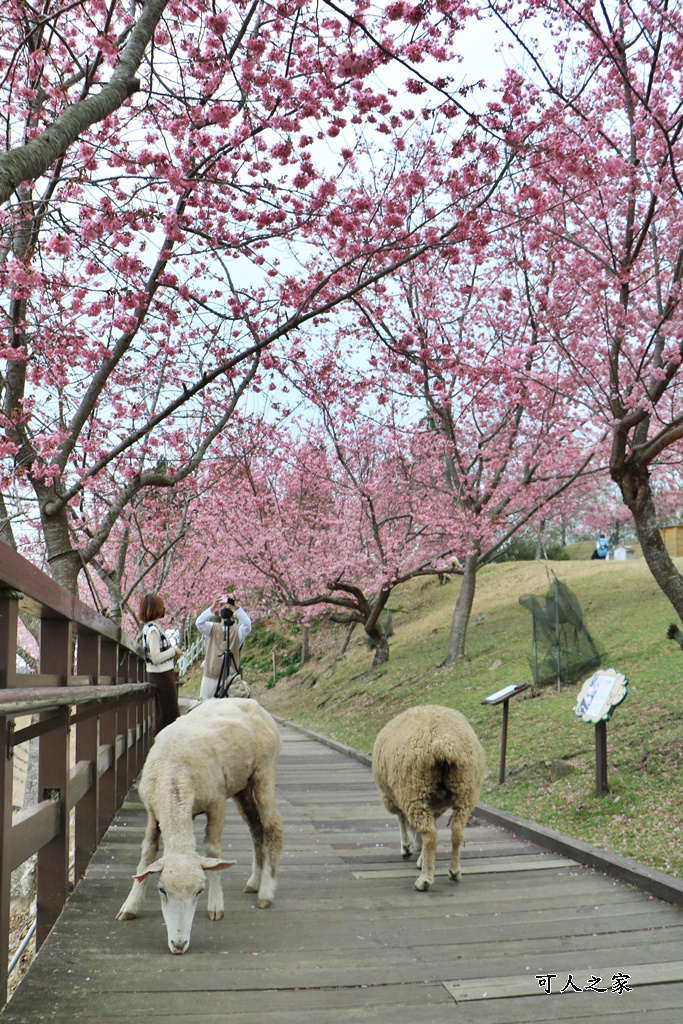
635, 975
481, 867
661, 1005
81, 779
32, 828
28, 701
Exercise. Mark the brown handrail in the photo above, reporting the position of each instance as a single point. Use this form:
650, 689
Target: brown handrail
91, 711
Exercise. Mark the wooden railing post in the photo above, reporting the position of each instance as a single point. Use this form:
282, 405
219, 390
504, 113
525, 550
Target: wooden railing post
52, 889
144, 709
87, 747
107, 808
123, 724
9, 617
145, 713
127, 667
6, 779
133, 722
9, 606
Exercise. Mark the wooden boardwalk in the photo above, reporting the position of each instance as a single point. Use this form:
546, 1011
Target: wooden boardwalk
347, 937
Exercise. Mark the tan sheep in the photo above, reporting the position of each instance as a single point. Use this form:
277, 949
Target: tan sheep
425, 761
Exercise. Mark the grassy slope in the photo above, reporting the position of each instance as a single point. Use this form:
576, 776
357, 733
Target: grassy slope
550, 756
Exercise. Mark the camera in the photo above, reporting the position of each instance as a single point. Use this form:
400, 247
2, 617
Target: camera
227, 611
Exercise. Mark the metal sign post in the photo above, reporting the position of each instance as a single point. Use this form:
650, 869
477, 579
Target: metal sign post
597, 699
503, 697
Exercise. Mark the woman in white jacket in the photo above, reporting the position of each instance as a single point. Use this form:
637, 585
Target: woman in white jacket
160, 657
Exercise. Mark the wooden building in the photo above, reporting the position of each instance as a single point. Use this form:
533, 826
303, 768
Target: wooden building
673, 539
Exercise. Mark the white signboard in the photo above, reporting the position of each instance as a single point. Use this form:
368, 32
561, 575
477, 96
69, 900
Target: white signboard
499, 694
507, 691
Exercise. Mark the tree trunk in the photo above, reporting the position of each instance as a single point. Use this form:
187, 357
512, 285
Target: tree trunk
539, 553
637, 494
381, 646
347, 636
615, 536
463, 610
64, 561
374, 629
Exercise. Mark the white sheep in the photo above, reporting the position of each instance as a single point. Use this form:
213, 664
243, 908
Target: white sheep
221, 749
426, 760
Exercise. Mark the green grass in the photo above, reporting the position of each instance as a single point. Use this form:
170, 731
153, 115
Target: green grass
551, 754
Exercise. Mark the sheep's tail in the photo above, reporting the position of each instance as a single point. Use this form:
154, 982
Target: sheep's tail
459, 768
450, 751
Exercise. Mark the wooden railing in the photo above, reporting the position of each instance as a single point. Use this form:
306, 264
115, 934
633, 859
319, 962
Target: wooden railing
92, 712
191, 655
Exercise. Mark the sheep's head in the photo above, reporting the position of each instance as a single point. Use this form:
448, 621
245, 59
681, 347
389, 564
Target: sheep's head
181, 883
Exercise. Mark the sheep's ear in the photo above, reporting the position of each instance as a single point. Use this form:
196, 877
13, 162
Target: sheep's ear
215, 863
151, 869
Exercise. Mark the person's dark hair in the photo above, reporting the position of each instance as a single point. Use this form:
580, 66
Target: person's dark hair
151, 607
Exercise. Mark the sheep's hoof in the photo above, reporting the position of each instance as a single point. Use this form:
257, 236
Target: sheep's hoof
422, 884
263, 904
250, 888
406, 852
455, 876
125, 915
215, 915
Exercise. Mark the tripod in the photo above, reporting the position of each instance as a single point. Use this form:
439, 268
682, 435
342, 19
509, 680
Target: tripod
226, 676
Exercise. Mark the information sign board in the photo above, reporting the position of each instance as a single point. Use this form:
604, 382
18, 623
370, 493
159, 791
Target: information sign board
600, 695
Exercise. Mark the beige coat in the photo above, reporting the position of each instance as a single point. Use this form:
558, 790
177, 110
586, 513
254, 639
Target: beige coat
216, 647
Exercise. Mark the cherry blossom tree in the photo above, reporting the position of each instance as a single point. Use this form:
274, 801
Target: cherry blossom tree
454, 335
598, 200
331, 516
160, 241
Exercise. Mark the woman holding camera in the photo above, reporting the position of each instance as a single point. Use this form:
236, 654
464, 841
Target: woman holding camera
160, 657
225, 638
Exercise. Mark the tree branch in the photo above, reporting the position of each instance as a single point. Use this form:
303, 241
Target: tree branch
30, 161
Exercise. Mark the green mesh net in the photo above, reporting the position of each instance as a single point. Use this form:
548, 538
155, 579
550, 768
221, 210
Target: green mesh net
563, 649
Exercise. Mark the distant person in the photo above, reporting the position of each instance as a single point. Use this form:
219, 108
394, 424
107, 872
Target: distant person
601, 548
160, 658
211, 625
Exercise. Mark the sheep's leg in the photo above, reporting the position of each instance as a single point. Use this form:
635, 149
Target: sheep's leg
148, 854
215, 817
272, 845
257, 805
459, 820
406, 845
249, 811
417, 840
422, 821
